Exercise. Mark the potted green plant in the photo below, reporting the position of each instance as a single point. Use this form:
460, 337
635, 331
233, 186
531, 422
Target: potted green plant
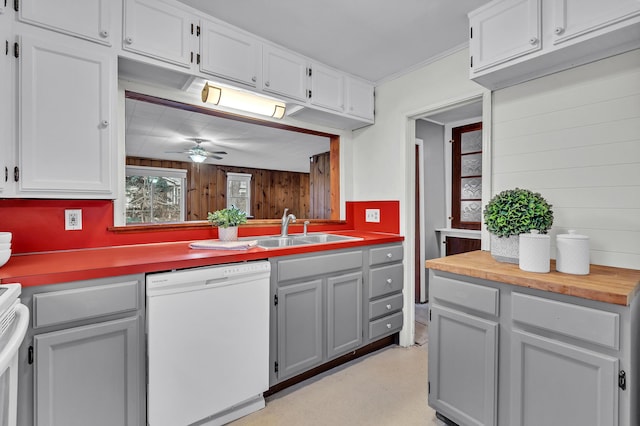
511, 213
227, 221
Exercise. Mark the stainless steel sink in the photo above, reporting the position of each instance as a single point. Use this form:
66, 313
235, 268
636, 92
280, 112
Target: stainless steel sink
301, 240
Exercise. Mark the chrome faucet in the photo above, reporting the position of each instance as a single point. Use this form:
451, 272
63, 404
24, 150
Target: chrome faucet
306, 223
286, 219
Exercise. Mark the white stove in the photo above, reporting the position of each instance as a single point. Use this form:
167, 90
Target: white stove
14, 319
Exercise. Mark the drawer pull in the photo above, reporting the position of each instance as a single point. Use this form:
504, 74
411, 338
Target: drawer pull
388, 307
389, 255
389, 280
389, 325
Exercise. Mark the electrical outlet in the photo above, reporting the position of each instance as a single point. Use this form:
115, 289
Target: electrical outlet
72, 220
372, 215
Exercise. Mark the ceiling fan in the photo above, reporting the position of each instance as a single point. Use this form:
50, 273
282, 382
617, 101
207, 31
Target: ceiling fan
197, 153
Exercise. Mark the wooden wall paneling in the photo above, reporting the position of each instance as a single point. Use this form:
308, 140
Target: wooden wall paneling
334, 178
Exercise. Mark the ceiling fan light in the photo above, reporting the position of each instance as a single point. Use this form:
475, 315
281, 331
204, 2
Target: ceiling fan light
245, 101
197, 158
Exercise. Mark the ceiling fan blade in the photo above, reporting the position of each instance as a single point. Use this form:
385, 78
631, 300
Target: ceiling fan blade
177, 152
217, 152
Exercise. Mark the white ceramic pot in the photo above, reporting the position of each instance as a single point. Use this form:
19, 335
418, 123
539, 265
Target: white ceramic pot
505, 249
535, 252
228, 234
572, 253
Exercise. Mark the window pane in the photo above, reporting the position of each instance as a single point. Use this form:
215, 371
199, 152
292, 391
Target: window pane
153, 199
470, 211
471, 141
471, 188
471, 165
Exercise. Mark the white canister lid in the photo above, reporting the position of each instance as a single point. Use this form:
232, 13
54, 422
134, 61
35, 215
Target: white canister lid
535, 234
572, 235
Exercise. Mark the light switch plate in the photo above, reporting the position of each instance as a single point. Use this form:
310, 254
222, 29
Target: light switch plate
372, 215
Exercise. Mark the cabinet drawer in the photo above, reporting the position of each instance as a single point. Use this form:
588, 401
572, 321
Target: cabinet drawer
385, 325
472, 296
310, 266
385, 306
386, 254
385, 280
64, 306
580, 322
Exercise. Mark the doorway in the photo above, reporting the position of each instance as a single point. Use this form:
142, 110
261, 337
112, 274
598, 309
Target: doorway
433, 155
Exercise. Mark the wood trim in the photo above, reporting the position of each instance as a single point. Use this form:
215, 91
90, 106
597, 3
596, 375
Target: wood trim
371, 347
456, 176
334, 155
199, 224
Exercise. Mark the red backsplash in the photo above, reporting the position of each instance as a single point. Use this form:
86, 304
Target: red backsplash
38, 225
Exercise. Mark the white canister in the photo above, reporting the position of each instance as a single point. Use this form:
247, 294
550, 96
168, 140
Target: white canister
535, 253
572, 253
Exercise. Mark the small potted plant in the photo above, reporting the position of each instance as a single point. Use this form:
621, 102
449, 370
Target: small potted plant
227, 221
511, 213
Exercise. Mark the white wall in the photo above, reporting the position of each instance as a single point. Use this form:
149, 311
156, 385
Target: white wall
574, 137
383, 167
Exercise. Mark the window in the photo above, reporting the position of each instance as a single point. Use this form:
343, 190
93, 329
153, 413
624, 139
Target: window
239, 191
466, 181
155, 194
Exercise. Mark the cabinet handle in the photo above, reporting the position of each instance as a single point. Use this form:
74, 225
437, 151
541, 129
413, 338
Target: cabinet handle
128, 40
533, 41
389, 280
104, 33
388, 307
389, 325
389, 255
254, 79
266, 83
558, 30
104, 123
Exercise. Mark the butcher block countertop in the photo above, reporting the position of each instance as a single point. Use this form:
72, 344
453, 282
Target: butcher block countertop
603, 283
72, 265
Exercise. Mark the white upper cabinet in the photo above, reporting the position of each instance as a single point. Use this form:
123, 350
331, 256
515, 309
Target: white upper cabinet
284, 73
66, 145
327, 87
512, 41
359, 98
503, 31
576, 18
7, 108
229, 53
88, 19
159, 30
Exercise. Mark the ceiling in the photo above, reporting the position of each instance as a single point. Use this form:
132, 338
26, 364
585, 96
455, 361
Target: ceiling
373, 39
151, 130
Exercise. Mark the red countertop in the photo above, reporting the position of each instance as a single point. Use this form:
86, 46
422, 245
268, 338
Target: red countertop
73, 265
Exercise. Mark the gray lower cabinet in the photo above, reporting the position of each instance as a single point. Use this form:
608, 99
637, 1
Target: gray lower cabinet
503, 354
82, 361
318, 310
463, 352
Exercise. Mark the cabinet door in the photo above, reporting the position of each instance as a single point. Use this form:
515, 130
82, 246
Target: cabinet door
556, 383
580, 18
88, 375
504, 31
229, 53
344, 313
65, 130
7, 105
463, 361
327, 88
88, 19
299, 327
159, 30
359, 98
285, 73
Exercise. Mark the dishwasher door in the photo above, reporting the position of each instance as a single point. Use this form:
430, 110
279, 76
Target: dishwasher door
208, 343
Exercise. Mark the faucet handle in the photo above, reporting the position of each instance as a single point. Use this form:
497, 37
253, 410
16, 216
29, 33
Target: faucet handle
292, 218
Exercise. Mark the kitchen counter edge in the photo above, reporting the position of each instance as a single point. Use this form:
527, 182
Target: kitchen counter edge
603, 283
83, 264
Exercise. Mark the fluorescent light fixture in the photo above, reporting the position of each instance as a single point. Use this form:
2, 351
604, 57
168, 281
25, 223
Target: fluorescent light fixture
237, 99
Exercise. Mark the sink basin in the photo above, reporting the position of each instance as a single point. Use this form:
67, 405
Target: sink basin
324, 238
302, 240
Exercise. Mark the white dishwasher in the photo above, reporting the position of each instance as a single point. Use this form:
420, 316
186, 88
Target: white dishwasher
207, 343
